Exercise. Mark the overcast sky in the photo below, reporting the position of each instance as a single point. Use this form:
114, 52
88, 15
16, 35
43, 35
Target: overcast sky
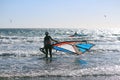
59, 13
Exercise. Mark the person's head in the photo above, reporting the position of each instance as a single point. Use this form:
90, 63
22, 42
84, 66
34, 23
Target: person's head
46, 33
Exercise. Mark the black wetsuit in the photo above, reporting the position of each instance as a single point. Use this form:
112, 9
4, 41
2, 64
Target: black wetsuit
48, 46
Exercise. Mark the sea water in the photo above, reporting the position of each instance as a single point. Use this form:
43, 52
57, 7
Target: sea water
20, 58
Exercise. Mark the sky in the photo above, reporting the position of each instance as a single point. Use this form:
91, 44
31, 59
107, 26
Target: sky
59, 13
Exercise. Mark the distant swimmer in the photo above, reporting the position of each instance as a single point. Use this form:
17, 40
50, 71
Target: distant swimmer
75, 33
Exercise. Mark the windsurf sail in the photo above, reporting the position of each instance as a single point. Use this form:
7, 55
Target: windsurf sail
72, 47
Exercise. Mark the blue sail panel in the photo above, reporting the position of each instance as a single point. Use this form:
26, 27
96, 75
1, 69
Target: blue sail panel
84, 46
82, 50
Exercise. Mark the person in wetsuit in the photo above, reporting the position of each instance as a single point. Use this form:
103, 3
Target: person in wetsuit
48, 45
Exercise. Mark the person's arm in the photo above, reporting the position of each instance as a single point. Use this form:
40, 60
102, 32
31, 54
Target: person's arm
53, 39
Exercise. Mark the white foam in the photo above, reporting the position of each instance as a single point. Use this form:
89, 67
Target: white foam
98, 71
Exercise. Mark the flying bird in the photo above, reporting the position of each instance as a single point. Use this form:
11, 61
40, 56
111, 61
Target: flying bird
105, 16
10, 20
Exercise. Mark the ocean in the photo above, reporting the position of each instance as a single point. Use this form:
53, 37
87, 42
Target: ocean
20, 58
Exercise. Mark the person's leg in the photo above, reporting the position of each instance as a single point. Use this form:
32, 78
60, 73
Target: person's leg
46, 50
50, 51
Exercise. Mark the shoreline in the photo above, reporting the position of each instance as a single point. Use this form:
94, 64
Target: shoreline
115, 77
